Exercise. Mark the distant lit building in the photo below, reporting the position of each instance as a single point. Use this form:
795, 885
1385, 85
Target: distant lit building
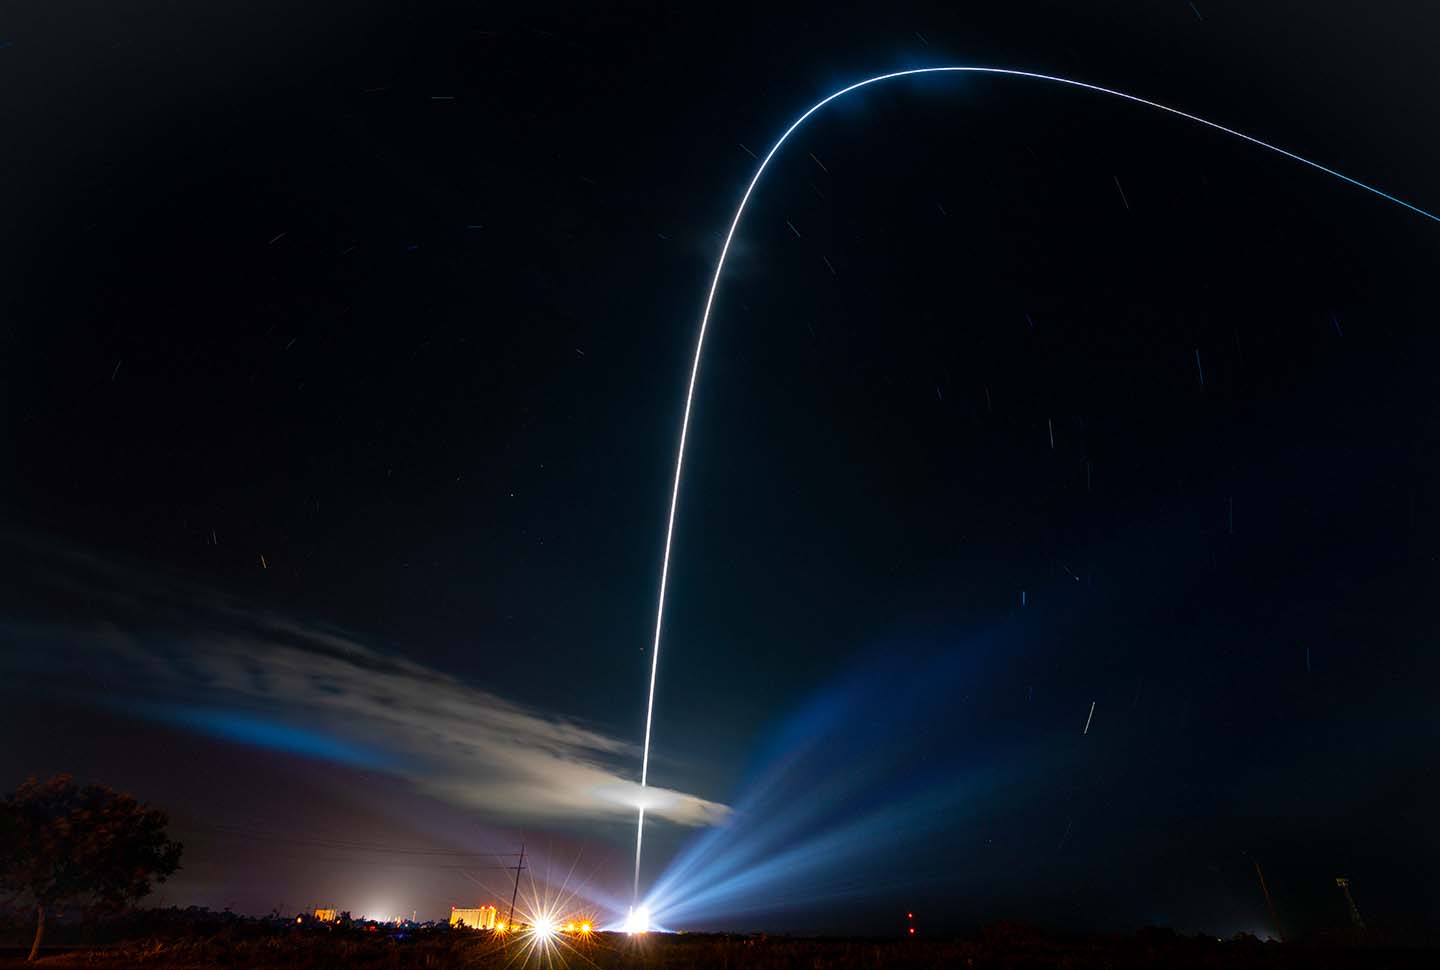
325, 915
479, 918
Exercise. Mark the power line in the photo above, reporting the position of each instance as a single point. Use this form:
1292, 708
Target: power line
345, 844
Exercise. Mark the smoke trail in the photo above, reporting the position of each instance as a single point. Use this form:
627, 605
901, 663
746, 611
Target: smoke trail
720, 267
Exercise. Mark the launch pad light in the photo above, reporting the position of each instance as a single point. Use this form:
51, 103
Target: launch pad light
638, 920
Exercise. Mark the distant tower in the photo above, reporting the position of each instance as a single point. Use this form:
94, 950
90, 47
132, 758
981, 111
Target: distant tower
1344, 885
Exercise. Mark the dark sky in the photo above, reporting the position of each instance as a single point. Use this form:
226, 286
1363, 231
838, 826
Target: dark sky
343, 347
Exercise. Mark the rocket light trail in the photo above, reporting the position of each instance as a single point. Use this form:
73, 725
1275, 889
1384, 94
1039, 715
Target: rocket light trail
720, 267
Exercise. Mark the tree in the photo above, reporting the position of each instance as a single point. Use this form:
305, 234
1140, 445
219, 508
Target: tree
63, 843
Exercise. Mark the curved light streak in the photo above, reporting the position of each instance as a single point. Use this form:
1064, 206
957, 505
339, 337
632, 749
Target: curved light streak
720, 268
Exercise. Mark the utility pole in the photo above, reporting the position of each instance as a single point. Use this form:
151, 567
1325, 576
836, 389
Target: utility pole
1269, 903
1359, 923
510, 922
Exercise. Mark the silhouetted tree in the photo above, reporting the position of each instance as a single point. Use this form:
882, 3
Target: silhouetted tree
63, 843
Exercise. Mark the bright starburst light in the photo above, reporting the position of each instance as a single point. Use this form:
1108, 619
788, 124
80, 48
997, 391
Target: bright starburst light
638, 920
554, 914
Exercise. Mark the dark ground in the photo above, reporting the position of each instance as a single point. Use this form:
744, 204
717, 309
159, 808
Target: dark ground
272, 945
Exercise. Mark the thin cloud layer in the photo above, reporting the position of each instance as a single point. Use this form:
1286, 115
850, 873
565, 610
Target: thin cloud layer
271, 681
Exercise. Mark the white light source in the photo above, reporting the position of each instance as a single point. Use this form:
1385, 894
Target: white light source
638, 920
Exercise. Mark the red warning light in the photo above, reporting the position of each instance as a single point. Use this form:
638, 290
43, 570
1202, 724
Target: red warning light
909, 915
912, 931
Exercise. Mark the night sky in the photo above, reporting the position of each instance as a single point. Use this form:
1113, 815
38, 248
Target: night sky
343, 349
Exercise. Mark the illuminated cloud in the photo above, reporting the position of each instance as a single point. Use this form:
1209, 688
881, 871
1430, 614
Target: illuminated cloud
208, 665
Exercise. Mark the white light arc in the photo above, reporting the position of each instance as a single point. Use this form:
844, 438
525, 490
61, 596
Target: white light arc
720, 268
